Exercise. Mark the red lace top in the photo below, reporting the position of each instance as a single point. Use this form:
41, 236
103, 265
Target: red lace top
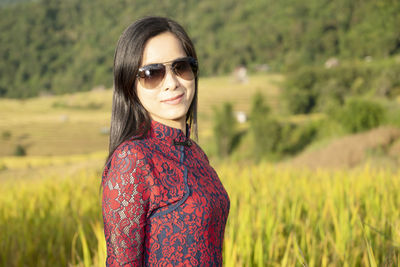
163, 204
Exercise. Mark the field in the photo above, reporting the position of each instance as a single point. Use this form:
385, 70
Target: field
278, 217
50, 203
75, 123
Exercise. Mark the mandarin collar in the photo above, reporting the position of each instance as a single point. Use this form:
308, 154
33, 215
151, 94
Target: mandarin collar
169, 134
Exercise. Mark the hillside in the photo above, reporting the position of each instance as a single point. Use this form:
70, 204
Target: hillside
54, 46
377, 147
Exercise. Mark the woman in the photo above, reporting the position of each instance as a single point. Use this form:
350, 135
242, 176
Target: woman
163, 204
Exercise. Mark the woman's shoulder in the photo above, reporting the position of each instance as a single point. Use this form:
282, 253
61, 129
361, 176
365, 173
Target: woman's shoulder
129, 150
131, 146
128, 157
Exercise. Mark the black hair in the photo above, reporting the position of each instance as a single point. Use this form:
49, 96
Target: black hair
129, 119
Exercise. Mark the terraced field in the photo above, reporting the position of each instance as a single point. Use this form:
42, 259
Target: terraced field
75, 124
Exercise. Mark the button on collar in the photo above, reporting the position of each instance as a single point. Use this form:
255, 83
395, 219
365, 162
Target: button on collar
184, 143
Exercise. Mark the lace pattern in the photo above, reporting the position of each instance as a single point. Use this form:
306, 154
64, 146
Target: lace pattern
125, 204
163, 204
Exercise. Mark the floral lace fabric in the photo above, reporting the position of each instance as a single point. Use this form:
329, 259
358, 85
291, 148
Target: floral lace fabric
163, 204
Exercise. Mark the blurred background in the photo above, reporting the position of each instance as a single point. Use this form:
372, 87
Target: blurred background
299, 113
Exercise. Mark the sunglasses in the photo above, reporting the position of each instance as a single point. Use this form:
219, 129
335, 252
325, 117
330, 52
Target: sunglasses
150, 76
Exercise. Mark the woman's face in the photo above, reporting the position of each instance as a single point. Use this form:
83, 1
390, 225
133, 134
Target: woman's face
168, 102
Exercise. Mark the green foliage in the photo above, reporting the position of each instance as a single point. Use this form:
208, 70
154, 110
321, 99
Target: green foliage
296, 137
275, 139
64, 46
225, 129
359, 115
258, 107
299, 94
267, 134
11, 2
313, 88
299, 101
393, 115
20, 151
266, 131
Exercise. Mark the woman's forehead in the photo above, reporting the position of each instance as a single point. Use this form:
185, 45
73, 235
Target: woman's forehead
162, 48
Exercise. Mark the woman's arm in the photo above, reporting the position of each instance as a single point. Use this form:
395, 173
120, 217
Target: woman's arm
125, 206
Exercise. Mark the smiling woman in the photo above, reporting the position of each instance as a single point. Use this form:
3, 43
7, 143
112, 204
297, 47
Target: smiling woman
171, 89
163, 204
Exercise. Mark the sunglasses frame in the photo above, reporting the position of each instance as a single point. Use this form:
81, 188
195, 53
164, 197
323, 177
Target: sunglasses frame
192, 62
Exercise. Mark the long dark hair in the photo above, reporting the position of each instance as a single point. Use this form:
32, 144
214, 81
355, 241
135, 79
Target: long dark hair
129, 118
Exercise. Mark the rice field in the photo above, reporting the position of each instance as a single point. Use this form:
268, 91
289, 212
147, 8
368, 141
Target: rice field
279, 216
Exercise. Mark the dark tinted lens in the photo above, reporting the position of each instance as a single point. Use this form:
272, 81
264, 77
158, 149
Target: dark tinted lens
151, 75
185, 68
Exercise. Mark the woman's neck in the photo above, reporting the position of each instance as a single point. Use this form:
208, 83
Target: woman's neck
178, 124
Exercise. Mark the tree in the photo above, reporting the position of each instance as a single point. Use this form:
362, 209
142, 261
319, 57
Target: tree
225, 127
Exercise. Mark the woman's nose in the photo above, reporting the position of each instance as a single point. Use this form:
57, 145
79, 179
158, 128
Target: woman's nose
171, 81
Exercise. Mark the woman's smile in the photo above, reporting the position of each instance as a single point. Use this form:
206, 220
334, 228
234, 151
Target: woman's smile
173, 100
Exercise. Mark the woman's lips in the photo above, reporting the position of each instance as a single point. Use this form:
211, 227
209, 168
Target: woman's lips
174, 100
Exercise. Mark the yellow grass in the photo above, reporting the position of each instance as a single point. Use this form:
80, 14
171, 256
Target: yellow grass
278, 217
